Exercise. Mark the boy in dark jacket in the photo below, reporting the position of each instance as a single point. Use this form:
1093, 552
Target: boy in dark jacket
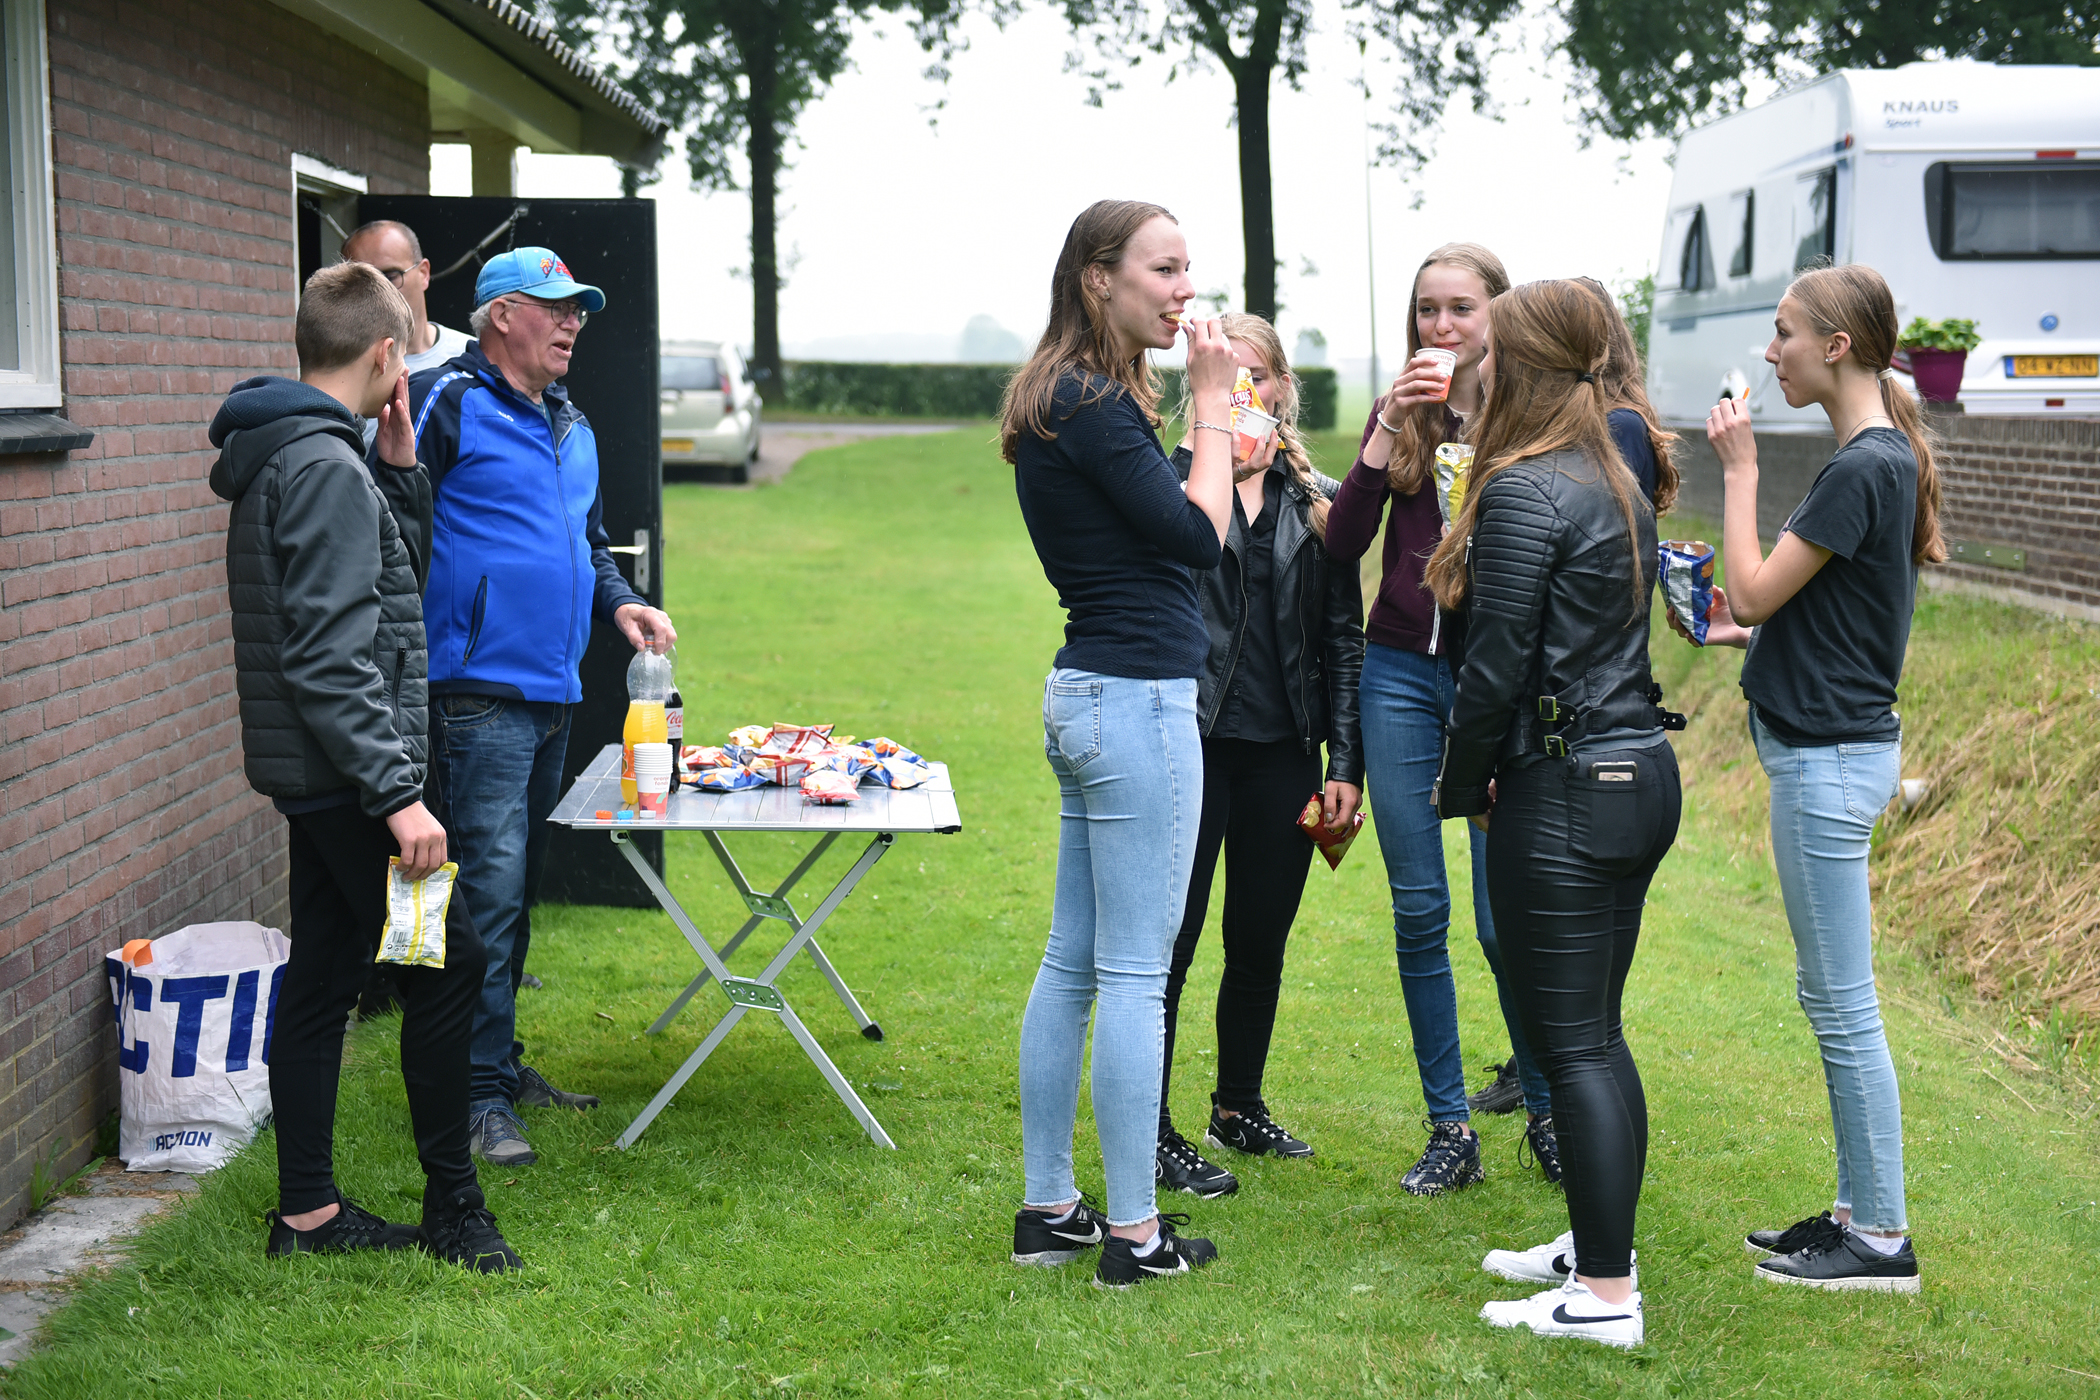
325, 562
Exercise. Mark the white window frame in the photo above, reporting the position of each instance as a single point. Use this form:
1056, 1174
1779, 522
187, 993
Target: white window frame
37, 383
313, 176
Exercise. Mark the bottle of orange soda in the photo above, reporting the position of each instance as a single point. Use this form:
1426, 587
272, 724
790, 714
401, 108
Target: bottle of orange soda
648, 686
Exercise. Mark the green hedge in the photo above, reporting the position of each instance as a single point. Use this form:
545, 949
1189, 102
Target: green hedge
969, 391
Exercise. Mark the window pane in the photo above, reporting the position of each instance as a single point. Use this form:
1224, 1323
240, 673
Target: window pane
1741, 226
12, 312
690, 372
1696, 272
1815, 218
2036, 212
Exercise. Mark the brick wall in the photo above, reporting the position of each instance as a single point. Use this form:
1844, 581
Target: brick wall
123, 812
2030, 483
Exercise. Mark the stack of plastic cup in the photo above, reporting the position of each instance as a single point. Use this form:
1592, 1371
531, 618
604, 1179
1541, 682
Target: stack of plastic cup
652, 780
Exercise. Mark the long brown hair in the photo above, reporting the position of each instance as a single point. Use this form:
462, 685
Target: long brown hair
1414, 450
1551, 342
1623, 384
1855, 300
1281, 401
1078, 336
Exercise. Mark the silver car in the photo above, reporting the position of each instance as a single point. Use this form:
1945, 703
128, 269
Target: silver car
710, 410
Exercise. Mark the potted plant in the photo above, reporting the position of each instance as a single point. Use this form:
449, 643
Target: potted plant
1938, 352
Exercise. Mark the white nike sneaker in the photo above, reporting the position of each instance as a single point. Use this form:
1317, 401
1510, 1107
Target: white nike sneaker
1571, 1310
1546, 1263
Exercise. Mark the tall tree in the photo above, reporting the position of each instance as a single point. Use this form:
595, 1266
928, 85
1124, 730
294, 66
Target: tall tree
1442, 47
733, 73
1654, 67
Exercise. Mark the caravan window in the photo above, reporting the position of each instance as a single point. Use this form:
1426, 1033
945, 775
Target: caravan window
2014, 209
1742, 227
1815, 217
1688, 261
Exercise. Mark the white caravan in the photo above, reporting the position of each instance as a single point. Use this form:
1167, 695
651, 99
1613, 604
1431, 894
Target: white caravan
1974, 189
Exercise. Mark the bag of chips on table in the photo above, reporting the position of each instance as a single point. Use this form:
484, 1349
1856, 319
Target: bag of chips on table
1687, 569
415, 915
730, 778
826, 786
698, 756
750, 736
797, 739
1333, 845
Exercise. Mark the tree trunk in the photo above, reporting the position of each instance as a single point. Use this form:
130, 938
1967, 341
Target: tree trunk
1257, 201
761, 68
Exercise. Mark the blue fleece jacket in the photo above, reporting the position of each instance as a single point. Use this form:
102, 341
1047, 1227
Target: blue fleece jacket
519, 555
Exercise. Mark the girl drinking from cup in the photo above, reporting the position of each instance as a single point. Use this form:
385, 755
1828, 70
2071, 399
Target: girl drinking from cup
1556, 731
1828, 618
1119, 540
1406, 697
1280, 679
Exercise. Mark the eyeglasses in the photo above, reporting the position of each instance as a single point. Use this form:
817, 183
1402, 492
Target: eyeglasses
559, 311
395, 275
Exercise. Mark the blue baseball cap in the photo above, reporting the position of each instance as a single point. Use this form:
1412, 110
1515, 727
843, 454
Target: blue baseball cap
537, 272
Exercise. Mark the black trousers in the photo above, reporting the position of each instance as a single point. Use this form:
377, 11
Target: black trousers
338, 897
1252, 795
1570, 853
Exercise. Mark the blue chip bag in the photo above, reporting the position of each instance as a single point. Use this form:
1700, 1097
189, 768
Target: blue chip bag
1687, 570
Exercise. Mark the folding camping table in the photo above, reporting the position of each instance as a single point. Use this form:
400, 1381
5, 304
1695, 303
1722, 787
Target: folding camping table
881, 814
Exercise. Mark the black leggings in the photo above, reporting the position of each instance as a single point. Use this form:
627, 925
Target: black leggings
1569, 857
1252, 796
338, 897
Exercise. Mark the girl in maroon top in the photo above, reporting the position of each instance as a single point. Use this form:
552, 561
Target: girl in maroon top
1406, 697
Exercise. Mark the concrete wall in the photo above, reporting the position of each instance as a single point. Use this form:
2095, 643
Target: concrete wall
2028, 489
123, 812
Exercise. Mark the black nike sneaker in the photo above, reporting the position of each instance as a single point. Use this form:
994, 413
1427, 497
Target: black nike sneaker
1542, 1147
1122, 1266
1450, 1162
1501, 1095
1254, 1133
1180, 1167
461, 1231
350, 1229
1048, 1241
1844, 1262
1796, 1236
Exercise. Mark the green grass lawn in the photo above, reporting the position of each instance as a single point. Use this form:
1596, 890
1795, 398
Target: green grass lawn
756, 1243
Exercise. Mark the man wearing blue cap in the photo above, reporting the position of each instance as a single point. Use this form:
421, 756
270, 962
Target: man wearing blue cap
519, 568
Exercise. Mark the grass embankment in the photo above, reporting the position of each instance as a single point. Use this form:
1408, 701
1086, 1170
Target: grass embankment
755, 1242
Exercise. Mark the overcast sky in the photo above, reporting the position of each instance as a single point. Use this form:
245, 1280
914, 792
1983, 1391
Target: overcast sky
904, 231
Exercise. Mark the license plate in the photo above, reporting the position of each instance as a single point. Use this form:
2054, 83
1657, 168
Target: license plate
678, 444
2053, 366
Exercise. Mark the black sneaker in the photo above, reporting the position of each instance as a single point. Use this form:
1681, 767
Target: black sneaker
351, 1228
535, 1092
1844, 1262
1179, 1167
1450, 1162
1039, 1239
1541, 1146
1254, 1133
463, 1232
1796, 1236
1122, 1266
1503, 1095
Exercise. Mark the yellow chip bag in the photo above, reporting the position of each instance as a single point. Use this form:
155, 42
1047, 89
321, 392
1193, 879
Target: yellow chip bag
415, 915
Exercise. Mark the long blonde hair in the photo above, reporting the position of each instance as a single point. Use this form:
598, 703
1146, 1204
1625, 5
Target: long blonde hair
1551, 343
1281, 401
1855, 300
1414, 450
1078, 336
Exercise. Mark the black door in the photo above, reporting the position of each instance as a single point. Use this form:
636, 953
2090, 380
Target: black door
608, 243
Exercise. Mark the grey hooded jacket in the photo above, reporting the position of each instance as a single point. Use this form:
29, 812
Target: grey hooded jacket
325, 569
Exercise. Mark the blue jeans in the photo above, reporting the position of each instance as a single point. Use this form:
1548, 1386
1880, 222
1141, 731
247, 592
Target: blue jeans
1129, 769
496, 767
1406, 698
1825, 801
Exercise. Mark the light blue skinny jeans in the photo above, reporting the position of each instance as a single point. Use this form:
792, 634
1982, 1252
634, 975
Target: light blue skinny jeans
1825, 801
1129, 768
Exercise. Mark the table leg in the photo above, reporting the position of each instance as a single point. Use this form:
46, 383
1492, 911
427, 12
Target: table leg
830, 1072
685, 1072
763, 907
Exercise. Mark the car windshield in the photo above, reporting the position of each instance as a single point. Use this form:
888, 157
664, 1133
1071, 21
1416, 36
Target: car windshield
691, 372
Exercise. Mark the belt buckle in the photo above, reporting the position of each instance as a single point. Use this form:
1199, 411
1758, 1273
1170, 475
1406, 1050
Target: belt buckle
1556, 747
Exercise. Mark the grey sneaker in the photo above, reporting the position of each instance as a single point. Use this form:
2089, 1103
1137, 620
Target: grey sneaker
535, 1092
498, 1138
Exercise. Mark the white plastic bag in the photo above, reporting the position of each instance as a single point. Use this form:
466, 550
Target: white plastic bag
196, 1009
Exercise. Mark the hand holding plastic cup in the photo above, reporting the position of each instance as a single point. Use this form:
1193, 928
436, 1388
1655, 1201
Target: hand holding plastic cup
1251, 431
1444, 362
652, 779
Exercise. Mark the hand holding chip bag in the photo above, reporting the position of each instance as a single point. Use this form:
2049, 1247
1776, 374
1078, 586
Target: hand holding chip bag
1333, 844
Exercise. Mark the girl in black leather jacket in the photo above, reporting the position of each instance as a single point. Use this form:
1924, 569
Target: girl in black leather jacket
1286, 647
1556, 730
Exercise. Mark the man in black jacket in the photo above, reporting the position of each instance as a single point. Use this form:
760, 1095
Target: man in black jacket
325, 562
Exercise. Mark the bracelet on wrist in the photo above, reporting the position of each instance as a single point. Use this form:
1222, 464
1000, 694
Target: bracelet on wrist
1199, 423
1387, 426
